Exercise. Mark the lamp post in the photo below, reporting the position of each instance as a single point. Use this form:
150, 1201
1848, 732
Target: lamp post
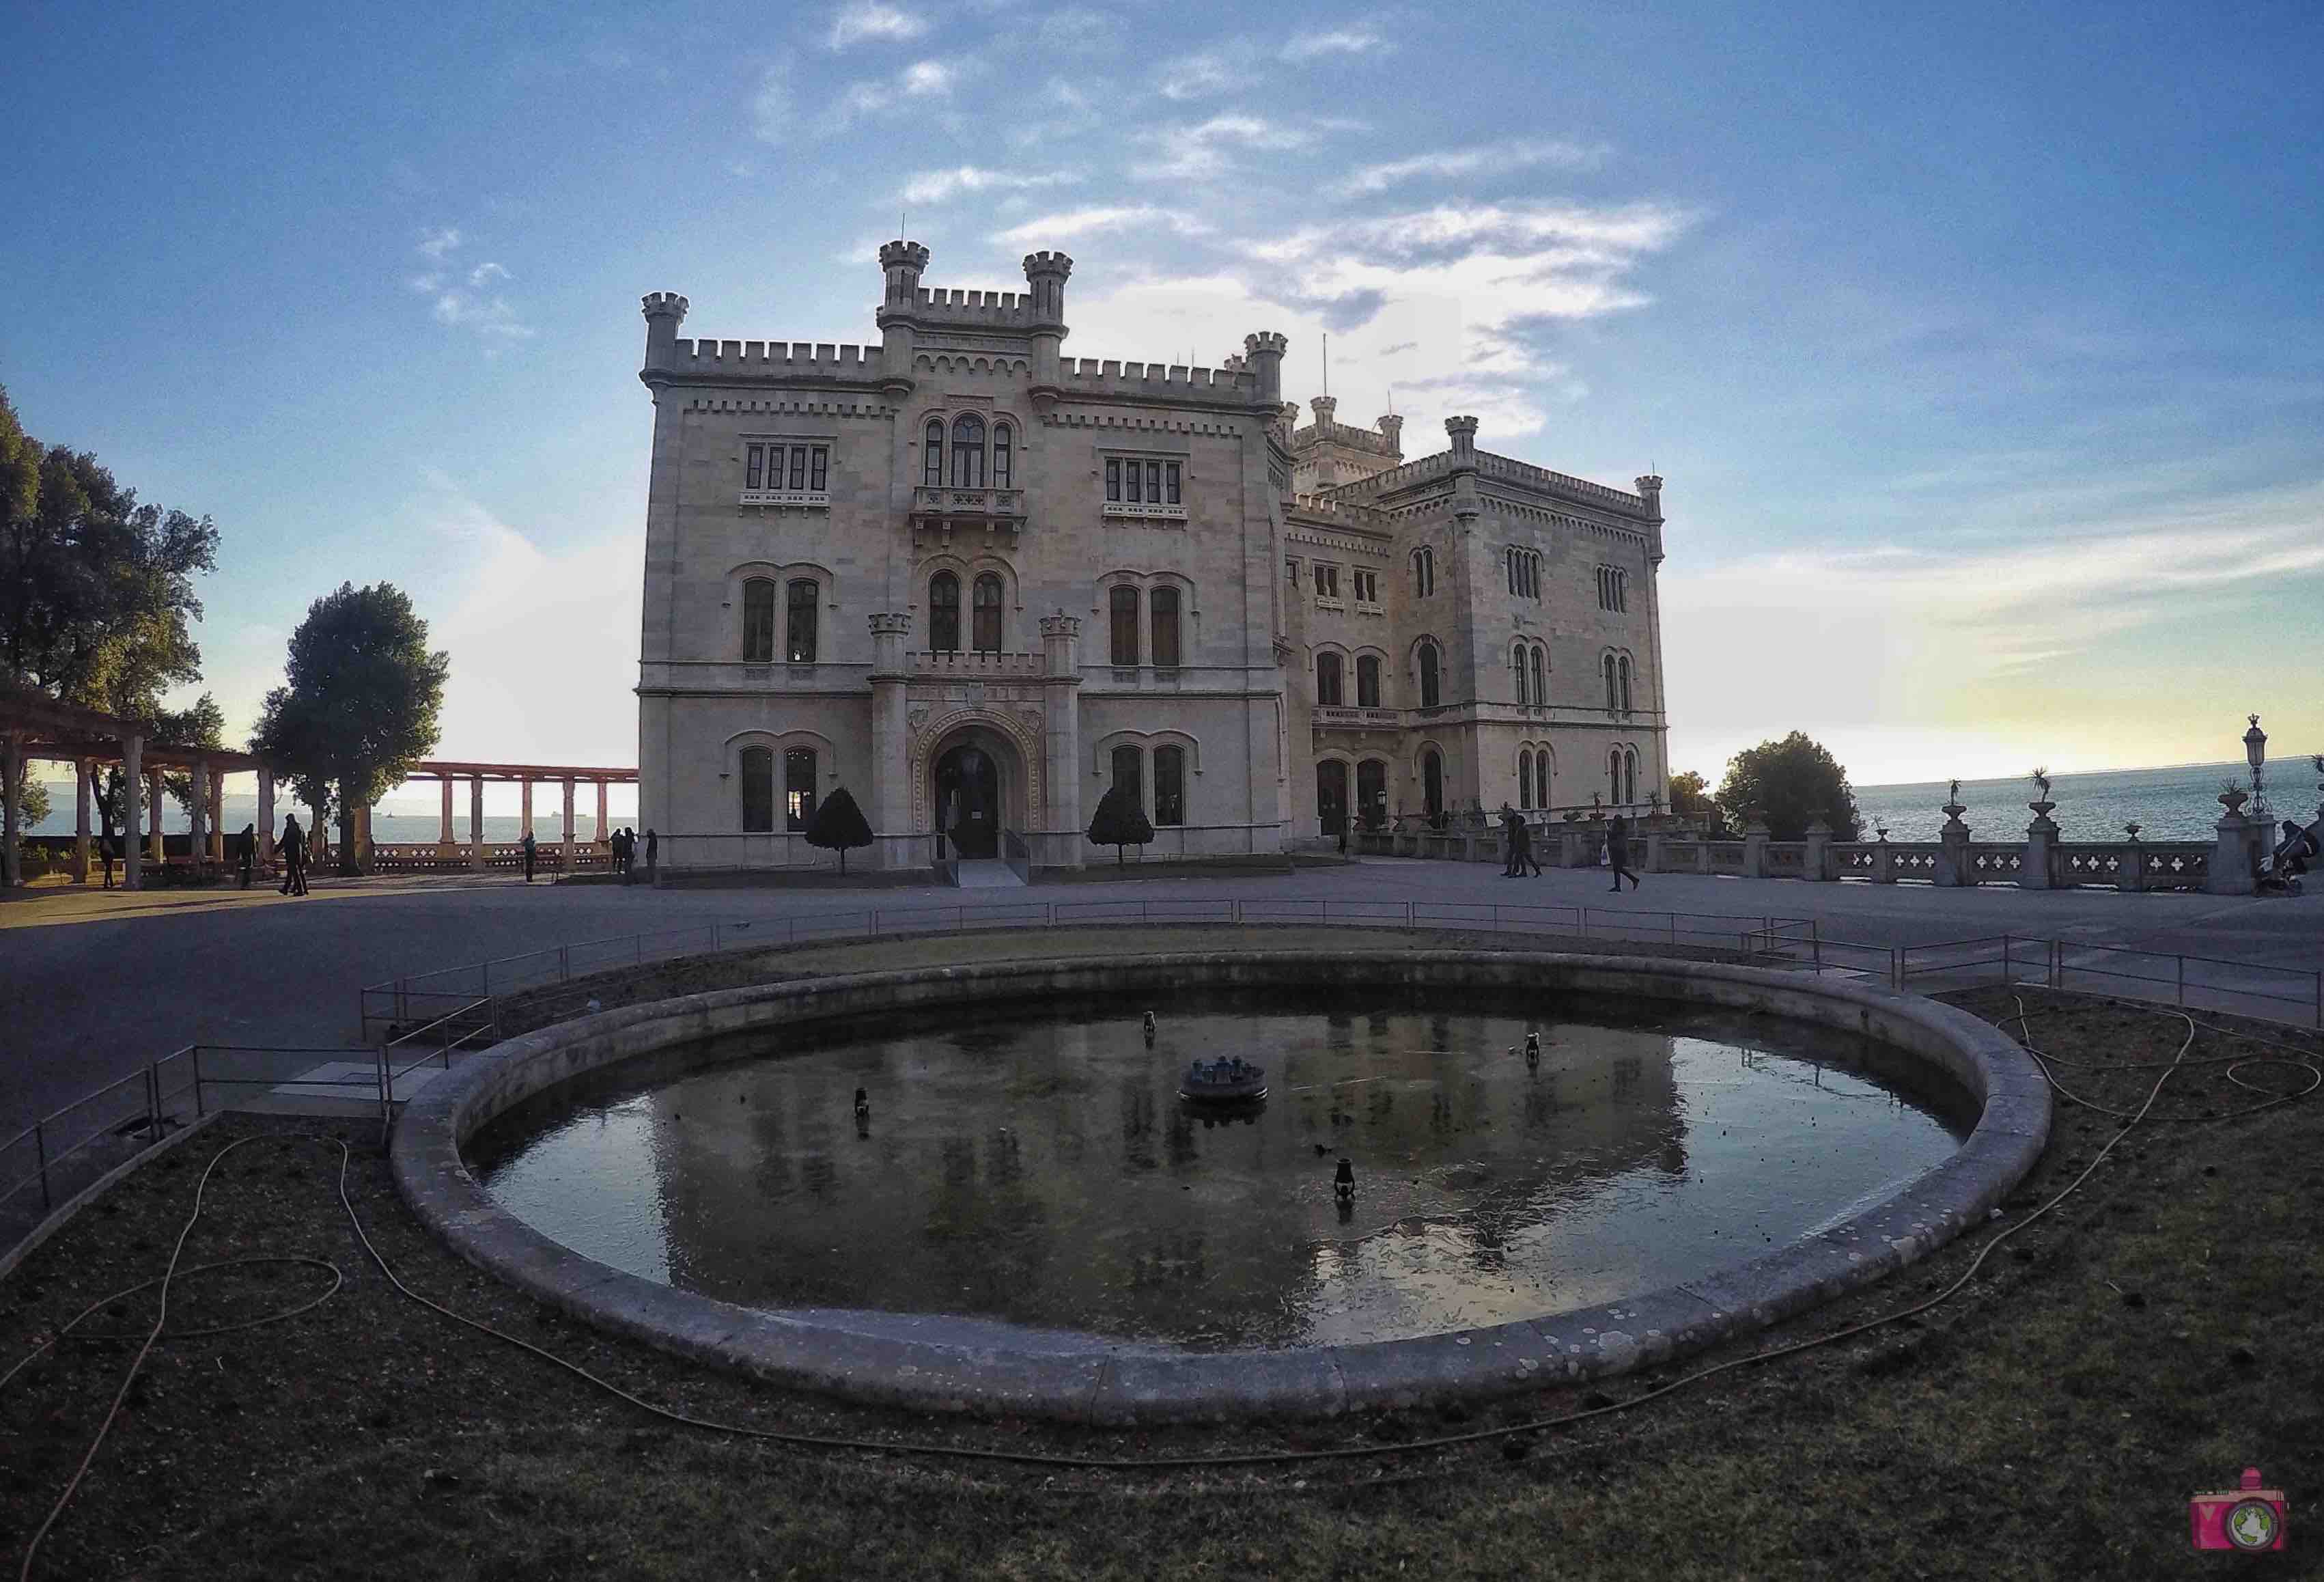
2255, 752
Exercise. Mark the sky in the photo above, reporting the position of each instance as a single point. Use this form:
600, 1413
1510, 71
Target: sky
1978, 345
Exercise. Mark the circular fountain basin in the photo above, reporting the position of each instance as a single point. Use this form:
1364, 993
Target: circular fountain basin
1029, 1220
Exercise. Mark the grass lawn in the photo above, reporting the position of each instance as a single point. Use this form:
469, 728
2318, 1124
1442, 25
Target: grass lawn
2148, 1338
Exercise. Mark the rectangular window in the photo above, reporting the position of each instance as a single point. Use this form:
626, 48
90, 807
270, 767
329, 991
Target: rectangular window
1327, 581
1154, 482
801, 610
1169, 785
755, 468
1291, 574
819, 478
1170, 483
799, 466
1129, 492
799, 787
1163, 607
1113, 480
1122, 607
1001, 472
1367, 587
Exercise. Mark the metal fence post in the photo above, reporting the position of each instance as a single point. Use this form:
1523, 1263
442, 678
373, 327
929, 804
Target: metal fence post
1408, 914
2057, 963
2008, 967
1896, 968
154, 1099
40, 1156
2182, 960
198, 1110
564, 966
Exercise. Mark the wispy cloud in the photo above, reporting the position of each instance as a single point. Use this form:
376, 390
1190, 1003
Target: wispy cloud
1351, 41
773, 111
485, 273
1205, 149
435, 244
465, 306
922, 80
1195, 77
938, 186
1083, 222
863, 20
1490, 159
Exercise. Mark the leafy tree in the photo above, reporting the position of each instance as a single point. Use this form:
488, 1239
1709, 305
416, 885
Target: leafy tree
1790, 783
32, 800
361, 704
838, 824
202, 726
1689, 794
1119, 821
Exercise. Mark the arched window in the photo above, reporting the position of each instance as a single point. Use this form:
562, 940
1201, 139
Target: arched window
1371, 790
1524, 780
1424, 572
1625, 673
1003, 469
1126, 768
944, 613
968, 451
1121, 604
800, 621
1540, 779
1163, 607
1432, 782
758, 791
1429, 687
1541, 675
1327, 680
932, 454
1367, 680
984, 632
758, 621
1518, 674
799, 787
1630, 774
1169, 785
1614, 776
1612, 697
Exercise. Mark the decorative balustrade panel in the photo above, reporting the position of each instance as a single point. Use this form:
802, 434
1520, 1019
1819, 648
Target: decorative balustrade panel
1726, 856
1992, 863
1855, 860
1786, 859
1915, 860
975, 662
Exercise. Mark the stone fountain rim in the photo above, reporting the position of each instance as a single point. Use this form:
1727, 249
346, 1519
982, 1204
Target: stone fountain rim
950, 1363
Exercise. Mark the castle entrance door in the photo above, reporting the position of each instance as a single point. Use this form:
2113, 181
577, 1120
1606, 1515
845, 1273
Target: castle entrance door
968, 800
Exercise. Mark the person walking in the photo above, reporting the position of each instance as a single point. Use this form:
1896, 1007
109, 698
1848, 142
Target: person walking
1509, 837
1525, 848
653, 843
629, 852
294, 856
1618, 851
526, 844
105, 851
617, 853
247, 854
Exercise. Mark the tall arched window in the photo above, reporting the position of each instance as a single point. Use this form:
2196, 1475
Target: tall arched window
1541, 675
1424, 572
1004, 441
1614, 776
1162, 608
1524, 780
1429, 683
944, 613
1126, 772
759, 621
968, 451
1518, 675
1372, 792
1540, 779
799, 621
1367, 680
932, 454
1122, 605
1169, 785
985, 632
1624, 670
1612, 697
1327, 680
1432, 782
758, 791
799, 787
1630, 774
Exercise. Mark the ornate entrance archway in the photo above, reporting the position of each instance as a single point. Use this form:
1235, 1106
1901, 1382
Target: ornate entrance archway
968, 800
1002, 779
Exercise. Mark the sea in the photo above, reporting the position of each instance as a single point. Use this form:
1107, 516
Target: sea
389, 824
2179, 802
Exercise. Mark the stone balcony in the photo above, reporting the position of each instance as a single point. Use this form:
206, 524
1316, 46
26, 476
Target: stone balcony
939, 513
975, 665
1333, 718
1128, 511
788, 499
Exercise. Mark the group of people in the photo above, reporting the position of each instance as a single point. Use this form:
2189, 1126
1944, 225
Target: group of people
1518, 839
625, 852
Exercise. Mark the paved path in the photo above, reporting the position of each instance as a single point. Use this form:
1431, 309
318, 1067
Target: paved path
94, 984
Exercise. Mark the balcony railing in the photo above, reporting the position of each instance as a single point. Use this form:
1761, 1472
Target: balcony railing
975, 663
1121, 510
1329, 716
795, 499
946, 511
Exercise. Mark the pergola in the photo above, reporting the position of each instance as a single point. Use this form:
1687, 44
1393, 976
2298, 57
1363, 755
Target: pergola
35, 726
527, 775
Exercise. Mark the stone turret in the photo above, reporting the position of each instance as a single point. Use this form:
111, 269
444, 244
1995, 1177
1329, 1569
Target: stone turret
1650, 490
663, 310
1046, 273
1391, 429
904, 263
1463, 431
1325, 405
1265, 349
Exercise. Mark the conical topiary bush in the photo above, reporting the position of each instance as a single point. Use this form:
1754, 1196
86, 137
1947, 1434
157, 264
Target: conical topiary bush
838, 824
1119, 821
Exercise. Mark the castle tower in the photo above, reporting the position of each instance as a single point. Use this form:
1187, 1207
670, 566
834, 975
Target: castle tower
664, 310
1046, 273
1265, 349
902, 263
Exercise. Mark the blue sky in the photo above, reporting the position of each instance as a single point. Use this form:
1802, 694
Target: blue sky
1979, 345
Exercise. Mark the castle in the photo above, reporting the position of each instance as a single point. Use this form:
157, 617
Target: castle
980, 583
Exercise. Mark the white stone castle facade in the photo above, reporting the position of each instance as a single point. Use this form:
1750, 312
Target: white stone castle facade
979, 583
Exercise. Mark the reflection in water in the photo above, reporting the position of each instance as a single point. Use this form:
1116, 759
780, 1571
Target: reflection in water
1034, 1163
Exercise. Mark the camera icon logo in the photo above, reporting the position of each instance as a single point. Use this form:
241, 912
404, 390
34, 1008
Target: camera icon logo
2249, 1519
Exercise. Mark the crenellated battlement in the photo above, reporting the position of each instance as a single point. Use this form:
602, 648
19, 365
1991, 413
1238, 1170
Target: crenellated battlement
1354, 513
1114, 374
1333, 432
957, 306
1505, 470
762, 358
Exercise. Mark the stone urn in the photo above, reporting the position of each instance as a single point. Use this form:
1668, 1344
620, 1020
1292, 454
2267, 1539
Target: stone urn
2233, 801
2042, 808
2131, 830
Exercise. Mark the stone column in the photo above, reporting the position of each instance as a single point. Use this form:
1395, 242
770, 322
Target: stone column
2232, 873
12, 775
1953, 848
1061, 722
265, 818
1755, 849
2035, 873
445, 847
81, 820
1816, 863
1883, 863
132, 748
218, 816
565, 858
477, 821
525, 810
198, 809
604, 836
897, 844
159, 851
1654, 852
